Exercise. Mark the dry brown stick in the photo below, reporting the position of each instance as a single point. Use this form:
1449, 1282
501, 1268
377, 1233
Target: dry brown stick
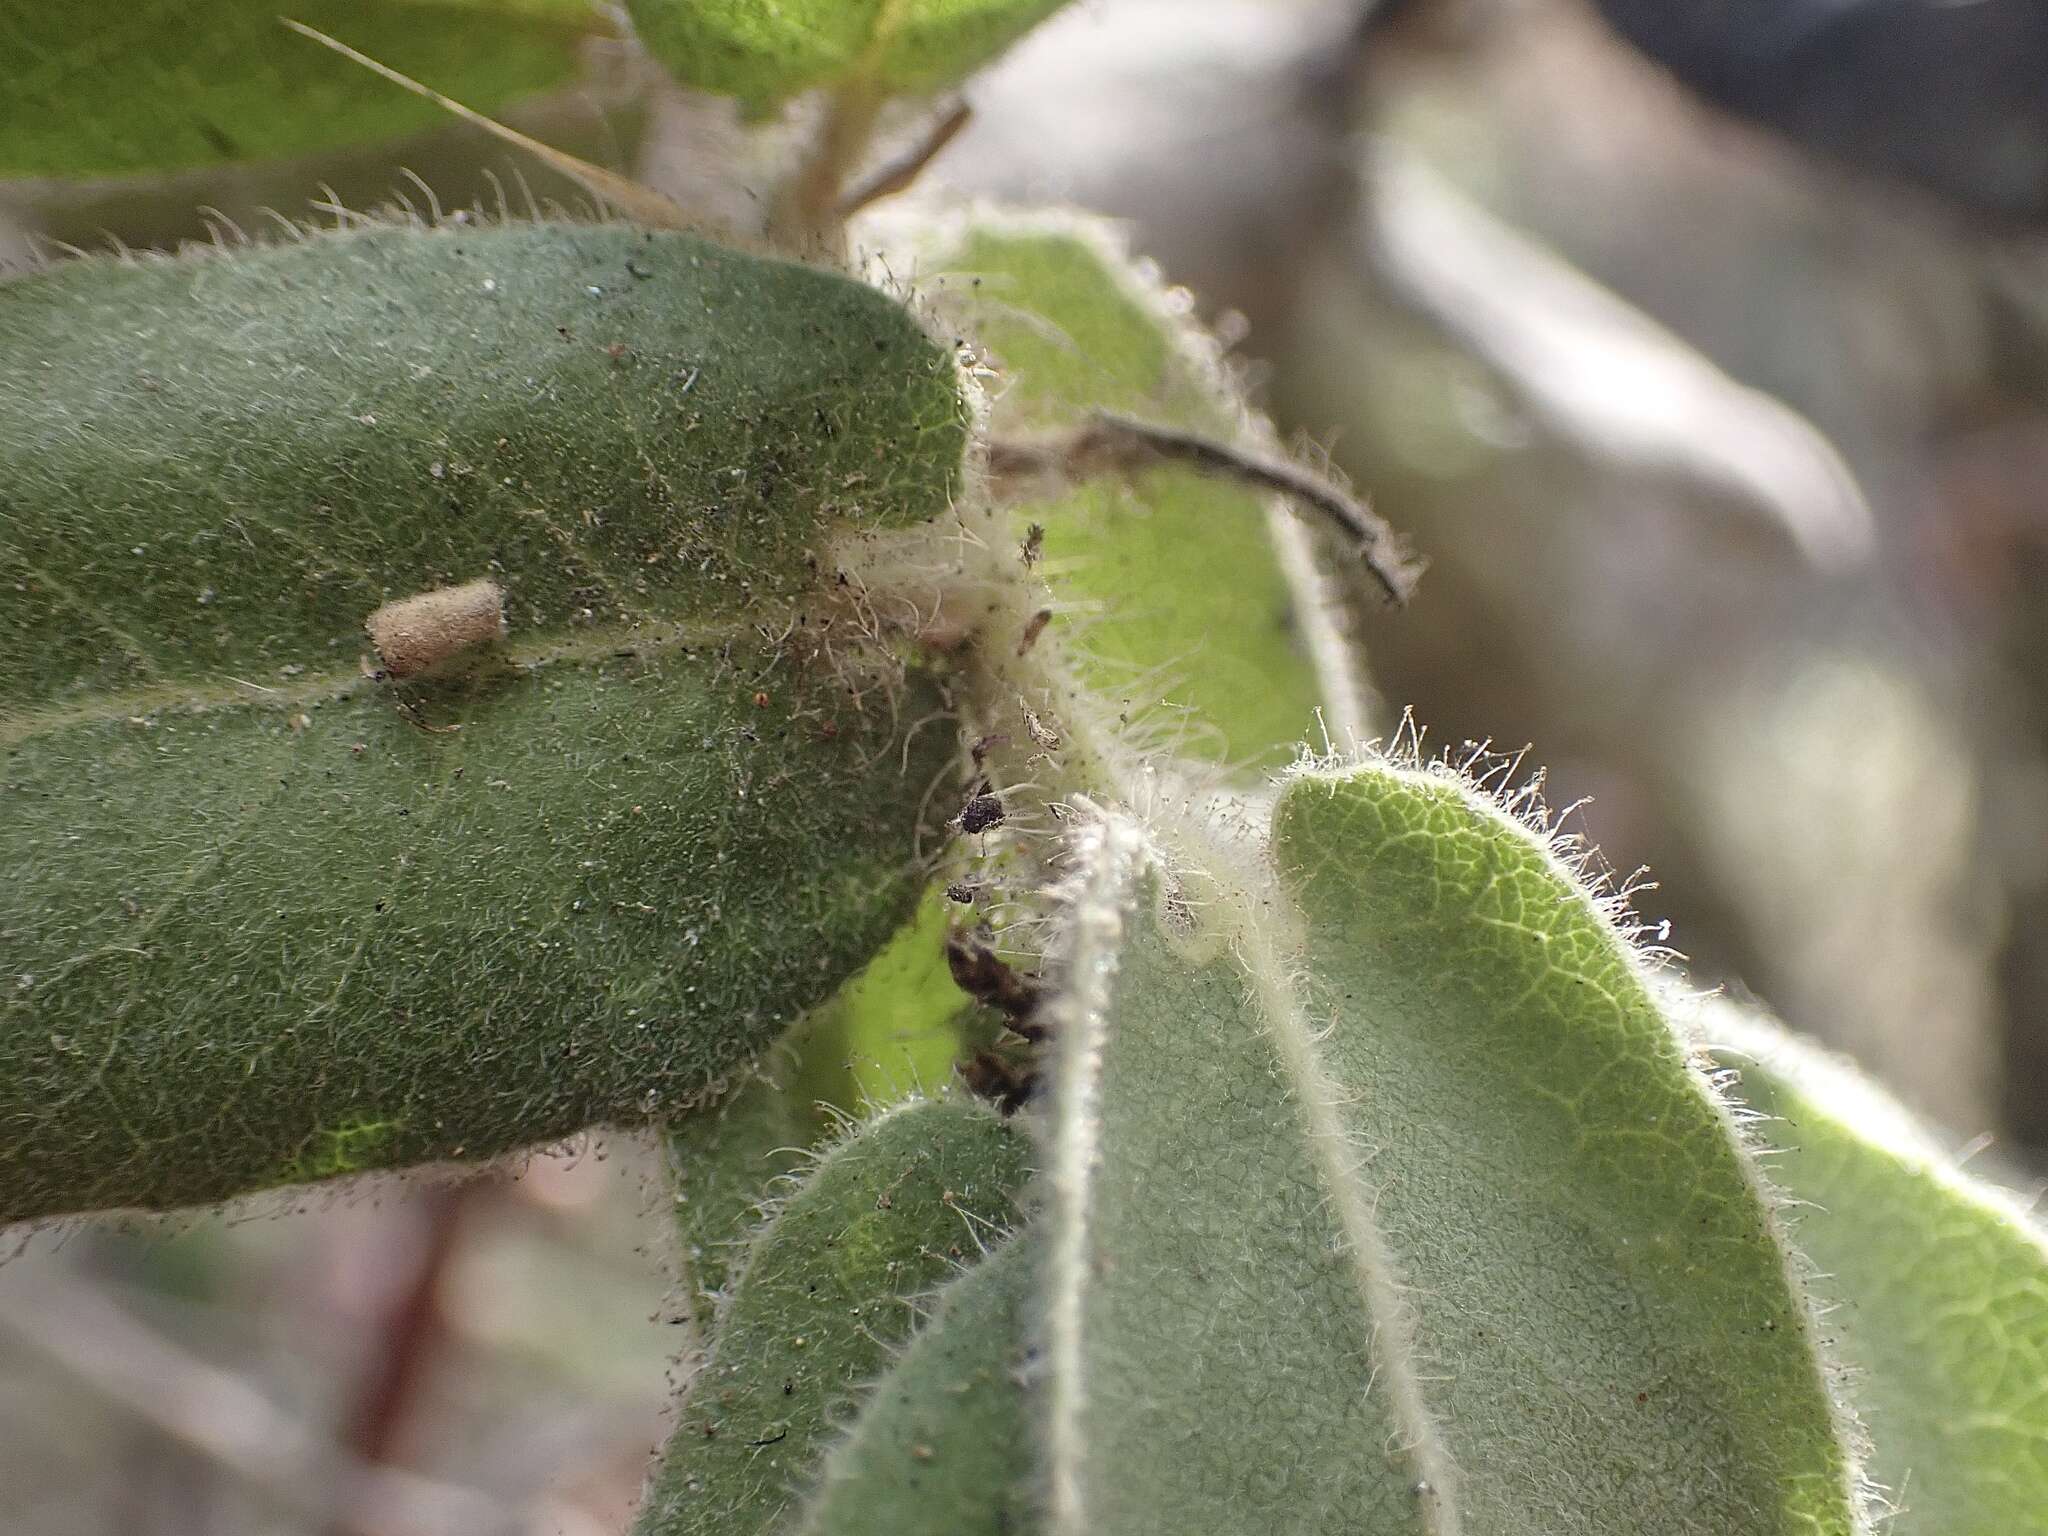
899, 173
410, 1336
228, 1419
1114, 444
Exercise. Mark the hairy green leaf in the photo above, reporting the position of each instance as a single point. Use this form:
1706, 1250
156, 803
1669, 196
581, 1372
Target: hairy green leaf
763, 53
829, 1290
888, 1034
216, 467
1175, 596
942, 1446
726, 1158
255, 943
271, 919
101, 88
1942, 1280
1386, 1198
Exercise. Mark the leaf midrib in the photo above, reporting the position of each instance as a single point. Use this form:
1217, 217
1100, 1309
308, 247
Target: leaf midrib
332, 684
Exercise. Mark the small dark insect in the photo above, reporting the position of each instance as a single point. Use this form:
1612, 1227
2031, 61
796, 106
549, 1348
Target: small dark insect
1033, 628
961, 892
1034, 545
986, 977
1000, 1079
1006, 1074
981, 813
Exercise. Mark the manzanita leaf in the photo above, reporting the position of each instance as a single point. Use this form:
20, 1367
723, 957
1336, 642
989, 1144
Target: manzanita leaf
943, 1446
100, 88
1172, 586
1941, 1280
1385, 1196
261, 942
1585, 1241
218, 466
828, 1292
1209, 1349
271, 919
763, 53
726, 1159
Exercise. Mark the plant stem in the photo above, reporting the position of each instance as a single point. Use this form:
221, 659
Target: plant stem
809, 211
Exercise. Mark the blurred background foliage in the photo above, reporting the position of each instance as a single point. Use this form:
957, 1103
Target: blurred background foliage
1731, 461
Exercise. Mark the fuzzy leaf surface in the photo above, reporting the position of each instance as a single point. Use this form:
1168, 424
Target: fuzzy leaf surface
888, 1034
242, 952
943, 1446
1942, 1280
829, 1290
1172, 583
764, 53
103, 88
1384, 1199
218, 466
726, 1160
271, 920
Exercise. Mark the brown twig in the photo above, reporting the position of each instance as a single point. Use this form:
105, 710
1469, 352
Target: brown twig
410, 1336
900, 173
1112, 444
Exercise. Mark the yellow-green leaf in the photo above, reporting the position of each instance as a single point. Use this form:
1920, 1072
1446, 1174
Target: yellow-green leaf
762, 53
101, 88
1939, 1277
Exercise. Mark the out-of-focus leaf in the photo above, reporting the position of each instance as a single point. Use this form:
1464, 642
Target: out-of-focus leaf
1602, 375
891, 1031
99, 88
1941, 1280
763, 53
828, 1292
272, 920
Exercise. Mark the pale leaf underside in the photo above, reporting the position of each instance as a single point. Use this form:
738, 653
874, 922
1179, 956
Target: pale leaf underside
1380, 1198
